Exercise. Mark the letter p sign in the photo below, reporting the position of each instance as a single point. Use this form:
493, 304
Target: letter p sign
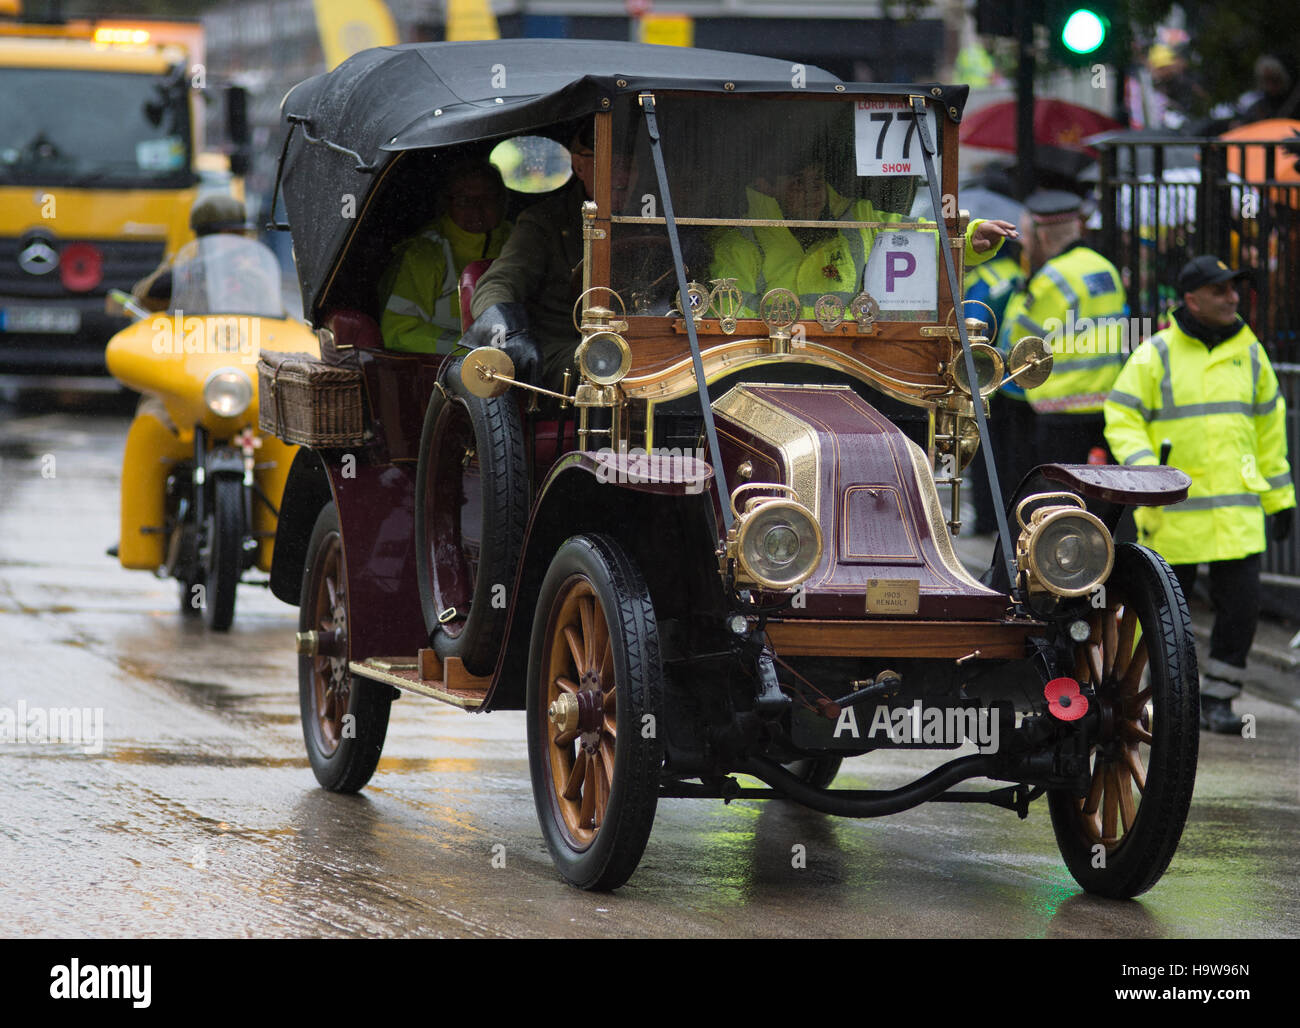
898, 264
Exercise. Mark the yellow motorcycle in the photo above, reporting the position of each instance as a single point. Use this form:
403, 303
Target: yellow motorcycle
200, 487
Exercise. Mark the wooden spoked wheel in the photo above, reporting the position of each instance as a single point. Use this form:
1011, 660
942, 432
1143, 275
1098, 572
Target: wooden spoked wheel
595, 712
1139, 661
344, 719
331, 680
581, 710
1114, 662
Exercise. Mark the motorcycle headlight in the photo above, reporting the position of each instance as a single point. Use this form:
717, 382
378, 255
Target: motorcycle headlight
779, 544
604, 358
228, 392
1066, 551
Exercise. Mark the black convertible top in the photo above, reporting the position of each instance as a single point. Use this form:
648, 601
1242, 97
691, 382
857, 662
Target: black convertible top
347, 125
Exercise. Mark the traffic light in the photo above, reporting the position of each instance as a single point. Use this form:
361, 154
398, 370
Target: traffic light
1086, 32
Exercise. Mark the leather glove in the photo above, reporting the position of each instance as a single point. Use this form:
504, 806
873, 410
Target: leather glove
505, 326
1279, 524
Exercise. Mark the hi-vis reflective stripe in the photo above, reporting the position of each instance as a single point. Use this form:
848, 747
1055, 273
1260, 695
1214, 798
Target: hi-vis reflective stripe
1030, 325
1278, 481
1135, 457
1067, 404
401, 305
1058, 280
1172, 411
1069, 362
1212, 502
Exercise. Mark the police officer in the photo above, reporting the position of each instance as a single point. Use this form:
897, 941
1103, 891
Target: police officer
422, 283
1204, 385
1075, 301
994, 283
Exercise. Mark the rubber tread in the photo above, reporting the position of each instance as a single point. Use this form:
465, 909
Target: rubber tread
498, 434
616, 851
1146, 851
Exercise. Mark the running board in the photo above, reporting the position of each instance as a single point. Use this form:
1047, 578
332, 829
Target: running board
427, 675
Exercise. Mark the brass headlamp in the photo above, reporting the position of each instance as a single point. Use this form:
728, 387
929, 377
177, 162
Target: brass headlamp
775, 541
1063, 549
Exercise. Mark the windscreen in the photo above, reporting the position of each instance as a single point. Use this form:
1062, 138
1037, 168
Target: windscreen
226, 274
808, 195
86, 128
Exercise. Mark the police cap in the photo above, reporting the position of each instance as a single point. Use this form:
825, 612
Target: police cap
218, 212
1050, 206
1205, 270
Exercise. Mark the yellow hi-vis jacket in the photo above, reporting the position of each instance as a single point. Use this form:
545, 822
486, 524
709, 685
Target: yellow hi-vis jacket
760, 259
421, 286
1222, 413
1076, 303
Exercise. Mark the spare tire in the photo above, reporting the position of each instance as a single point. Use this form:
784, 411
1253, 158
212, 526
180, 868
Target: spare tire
471, 509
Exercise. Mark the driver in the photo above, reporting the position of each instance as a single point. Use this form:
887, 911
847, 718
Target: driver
211, 215
813, 261
523, 304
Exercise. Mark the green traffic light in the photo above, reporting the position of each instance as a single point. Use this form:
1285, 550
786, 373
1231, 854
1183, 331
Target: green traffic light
1084, 31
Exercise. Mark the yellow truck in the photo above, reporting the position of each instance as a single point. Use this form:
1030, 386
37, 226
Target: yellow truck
100, 136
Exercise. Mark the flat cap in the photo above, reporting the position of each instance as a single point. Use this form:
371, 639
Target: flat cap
1205, 270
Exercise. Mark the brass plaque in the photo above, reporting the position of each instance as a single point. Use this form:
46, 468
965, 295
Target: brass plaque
893, 595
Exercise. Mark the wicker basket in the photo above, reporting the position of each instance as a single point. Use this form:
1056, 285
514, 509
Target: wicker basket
303, 400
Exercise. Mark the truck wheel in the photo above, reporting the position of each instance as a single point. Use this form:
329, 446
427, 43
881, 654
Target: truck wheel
223, 552
344, 719
595, 712
1141, 662
471, 509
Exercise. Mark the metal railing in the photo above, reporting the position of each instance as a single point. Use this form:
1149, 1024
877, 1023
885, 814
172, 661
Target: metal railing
1164, 199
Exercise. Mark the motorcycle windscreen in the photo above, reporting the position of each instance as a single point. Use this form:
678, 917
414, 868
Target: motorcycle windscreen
226, 274
811, 195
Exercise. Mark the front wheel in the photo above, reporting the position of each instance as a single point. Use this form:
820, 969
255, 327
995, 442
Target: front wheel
1140, 660
344, 719
595, 712
222, 557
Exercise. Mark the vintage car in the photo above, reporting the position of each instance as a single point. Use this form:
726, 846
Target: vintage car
715, 546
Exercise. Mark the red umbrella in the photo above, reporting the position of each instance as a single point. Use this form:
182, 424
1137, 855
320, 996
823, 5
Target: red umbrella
1056, 123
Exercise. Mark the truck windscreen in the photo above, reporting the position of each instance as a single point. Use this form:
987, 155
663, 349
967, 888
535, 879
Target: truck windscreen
75, 127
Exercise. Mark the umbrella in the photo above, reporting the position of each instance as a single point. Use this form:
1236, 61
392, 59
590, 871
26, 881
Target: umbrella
1056, 122
1286, 159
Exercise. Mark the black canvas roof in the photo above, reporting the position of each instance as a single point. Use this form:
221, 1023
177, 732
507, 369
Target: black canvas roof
352, 122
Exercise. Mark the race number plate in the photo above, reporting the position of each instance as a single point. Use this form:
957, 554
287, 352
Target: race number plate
893, 596
52, 320
886, 138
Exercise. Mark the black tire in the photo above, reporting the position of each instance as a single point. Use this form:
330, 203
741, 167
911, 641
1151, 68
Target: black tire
469, 572
223, 552
596, 830
343, 756
818, 772
1152, 730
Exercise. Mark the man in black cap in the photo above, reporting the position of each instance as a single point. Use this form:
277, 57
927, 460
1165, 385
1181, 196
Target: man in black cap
1075, 301
1204, 388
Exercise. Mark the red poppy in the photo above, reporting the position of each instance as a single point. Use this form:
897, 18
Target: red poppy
1064, 700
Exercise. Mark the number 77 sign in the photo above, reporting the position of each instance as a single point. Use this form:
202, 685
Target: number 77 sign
886, 140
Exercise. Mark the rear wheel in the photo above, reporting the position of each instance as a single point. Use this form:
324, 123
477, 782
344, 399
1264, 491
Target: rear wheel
595, 711
471, 508
222, 555
344, 719
1140, 660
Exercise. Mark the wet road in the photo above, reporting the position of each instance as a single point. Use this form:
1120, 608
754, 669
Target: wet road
200, 816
